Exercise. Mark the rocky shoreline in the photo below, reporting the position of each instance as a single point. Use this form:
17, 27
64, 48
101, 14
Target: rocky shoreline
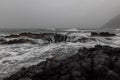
51, 37
98, 63
103, 34
20, 38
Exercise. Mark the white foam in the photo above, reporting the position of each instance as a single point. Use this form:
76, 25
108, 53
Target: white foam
79, 34
14, 57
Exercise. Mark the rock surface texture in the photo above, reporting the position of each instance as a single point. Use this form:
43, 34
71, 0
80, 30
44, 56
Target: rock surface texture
98, 63
49, 37
102, 34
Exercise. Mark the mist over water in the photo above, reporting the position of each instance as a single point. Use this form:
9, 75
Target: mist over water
57, 13
31, 31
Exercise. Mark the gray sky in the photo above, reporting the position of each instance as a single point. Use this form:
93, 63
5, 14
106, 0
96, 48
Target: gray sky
57, 13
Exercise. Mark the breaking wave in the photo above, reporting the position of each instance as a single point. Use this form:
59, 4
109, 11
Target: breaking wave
27, 49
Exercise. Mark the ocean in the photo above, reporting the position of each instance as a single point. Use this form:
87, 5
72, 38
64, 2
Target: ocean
11, 31
51, 30
15, 56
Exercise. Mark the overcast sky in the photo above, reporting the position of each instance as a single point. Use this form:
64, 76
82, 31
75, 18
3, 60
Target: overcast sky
57, 13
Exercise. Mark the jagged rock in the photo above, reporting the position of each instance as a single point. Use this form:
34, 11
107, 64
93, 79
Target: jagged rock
12, 36
50, 37
98, 63
16, 41
103, 34
56, 38
30, 35
1, 40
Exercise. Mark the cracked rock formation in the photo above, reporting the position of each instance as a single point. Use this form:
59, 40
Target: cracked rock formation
98, 63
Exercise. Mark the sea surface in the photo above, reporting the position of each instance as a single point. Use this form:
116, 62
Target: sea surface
51, 30
15, 56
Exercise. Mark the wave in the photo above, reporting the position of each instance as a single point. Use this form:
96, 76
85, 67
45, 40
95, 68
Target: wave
14, 56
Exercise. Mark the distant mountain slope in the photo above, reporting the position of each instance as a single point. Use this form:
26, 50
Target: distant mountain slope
113, 23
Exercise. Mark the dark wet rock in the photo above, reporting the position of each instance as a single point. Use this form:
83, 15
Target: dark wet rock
98, 63
16, 41
30, 35
1, 40
103, 34
50, 37
55, 38
108, 39
12, 36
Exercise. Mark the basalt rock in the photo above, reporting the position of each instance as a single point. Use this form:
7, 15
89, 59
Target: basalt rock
30, 35
98, 63
103, 34
16, 41
12, 36
55, 38
1, 40
50, 37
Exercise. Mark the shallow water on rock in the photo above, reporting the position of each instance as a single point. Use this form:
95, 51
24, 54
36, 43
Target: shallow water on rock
15, 56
